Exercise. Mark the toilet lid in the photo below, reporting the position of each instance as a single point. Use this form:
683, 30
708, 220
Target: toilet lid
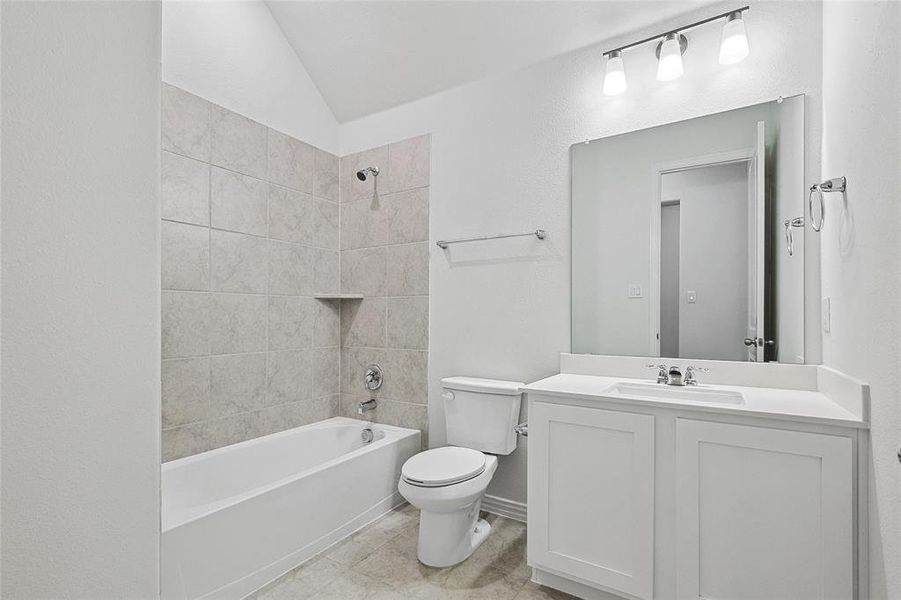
443, 466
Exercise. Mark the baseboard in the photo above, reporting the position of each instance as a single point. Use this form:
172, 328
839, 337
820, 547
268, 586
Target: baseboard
504, 507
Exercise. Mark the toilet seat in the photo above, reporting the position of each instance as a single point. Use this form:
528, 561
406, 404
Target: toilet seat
441, 467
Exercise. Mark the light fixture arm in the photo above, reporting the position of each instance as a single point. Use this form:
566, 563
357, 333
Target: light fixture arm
678, 30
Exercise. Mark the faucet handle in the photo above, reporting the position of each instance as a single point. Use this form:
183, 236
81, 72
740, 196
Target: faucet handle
690, 374
662, 372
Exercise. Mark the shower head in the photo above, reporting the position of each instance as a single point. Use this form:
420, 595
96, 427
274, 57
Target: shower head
361, 174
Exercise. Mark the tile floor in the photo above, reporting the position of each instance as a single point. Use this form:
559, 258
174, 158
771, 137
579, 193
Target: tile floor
379, 563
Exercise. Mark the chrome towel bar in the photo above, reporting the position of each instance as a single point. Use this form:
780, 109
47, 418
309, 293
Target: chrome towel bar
539, 233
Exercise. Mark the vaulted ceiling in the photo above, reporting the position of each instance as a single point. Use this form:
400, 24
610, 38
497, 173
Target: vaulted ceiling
366, 57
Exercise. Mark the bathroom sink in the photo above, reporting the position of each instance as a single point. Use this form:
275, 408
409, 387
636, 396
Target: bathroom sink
670, 392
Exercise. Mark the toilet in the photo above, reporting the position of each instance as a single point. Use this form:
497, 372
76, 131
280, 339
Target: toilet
447, 484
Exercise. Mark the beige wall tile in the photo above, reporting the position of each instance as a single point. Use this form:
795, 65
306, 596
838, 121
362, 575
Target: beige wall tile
185, 324
325, 183
179, 442
325, 372
185, 390
237, 323
185, 123
291, 162
291, 322
363, 323
363, 224
326, 323
238, 383
185, 256
238, 262
290, 269
408, 164
406, 375
408, 322
237, 143
364, 271
238, 202
291, 216
407, 270
184, 189
326, 220
326, 271
407, 216
290, 376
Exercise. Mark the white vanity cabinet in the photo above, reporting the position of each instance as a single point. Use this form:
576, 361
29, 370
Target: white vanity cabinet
591, 495
648, 500
763, 513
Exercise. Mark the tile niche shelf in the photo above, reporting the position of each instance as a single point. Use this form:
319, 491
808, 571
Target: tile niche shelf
334, 296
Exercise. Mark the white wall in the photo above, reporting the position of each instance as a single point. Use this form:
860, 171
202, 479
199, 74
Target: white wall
500, 162
860, 252
235, 55
80, 300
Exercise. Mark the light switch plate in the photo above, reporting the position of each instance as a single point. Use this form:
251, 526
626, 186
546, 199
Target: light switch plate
692, 296
634, 290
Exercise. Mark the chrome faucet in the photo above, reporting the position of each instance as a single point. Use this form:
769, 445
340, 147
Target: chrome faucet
675, 376
365, 407
662, 375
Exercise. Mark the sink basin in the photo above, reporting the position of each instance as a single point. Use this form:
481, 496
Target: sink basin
671, 392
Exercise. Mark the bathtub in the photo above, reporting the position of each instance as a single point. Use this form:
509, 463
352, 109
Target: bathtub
237, 517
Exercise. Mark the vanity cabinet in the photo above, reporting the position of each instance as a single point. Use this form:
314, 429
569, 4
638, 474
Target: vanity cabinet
762, 513
644, 502
591, 495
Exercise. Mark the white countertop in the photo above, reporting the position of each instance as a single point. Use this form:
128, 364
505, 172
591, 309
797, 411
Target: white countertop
785, 404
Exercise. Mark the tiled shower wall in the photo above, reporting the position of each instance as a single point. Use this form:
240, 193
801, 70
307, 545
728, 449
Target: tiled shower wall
249, 234
251, 231
385, 256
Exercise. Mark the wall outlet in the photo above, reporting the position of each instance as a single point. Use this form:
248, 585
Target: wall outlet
634, 290
827, 315
692, 296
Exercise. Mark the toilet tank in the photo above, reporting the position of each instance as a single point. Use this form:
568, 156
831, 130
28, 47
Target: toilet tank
480, 413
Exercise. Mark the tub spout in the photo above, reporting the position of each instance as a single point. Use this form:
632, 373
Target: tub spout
365, 407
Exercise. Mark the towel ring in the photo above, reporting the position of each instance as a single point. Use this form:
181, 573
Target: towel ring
837, 184
813, 221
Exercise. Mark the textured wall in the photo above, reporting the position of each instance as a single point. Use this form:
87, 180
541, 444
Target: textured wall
862, 245
235, 54
385, 256
500, 156
249, 235
80, 309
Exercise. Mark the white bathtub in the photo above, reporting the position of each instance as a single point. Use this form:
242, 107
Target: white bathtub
237, 517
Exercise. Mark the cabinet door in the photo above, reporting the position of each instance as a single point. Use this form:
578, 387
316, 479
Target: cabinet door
591, 496
762, 513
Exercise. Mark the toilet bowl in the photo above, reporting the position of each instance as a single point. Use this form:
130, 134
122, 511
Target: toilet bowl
447, 486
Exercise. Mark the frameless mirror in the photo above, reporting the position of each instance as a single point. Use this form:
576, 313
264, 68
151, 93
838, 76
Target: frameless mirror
688, 238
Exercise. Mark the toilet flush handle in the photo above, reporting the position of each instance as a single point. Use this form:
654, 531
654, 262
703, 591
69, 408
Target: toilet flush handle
448, 395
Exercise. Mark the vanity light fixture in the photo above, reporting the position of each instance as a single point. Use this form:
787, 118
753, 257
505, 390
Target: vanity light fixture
669, 56
734, 47
672, 45
615, 76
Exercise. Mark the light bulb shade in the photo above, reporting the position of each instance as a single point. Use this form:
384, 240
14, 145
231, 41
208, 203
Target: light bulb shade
615, 76
669, 63
734, 47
